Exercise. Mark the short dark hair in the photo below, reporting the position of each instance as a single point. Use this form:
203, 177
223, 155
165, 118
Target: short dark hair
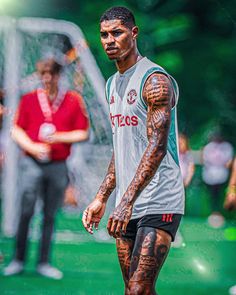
119, 12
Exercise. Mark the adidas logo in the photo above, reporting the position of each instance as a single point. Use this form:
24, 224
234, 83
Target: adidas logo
112, 99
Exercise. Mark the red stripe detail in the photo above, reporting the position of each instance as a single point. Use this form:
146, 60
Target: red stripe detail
163, 217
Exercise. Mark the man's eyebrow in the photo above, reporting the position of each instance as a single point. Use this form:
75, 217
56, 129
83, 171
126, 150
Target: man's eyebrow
115, 28
112, 30
118, 27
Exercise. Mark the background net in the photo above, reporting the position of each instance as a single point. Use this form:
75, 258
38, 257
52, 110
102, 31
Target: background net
88, 161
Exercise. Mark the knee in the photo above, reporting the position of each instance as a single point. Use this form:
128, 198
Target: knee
49, 218
27, 205
25, 218
26, 213
136, 288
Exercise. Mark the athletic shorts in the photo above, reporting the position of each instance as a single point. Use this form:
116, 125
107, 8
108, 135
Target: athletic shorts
167, 222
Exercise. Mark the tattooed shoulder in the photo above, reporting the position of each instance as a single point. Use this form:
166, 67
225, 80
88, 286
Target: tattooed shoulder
158, 90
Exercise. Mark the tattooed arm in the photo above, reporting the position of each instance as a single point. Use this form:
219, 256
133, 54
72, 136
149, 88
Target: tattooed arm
95, 210
158, 94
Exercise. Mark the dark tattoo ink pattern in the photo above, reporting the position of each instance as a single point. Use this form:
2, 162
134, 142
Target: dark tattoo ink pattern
150, 252
123, 212
124, 250
158, 94
109, 182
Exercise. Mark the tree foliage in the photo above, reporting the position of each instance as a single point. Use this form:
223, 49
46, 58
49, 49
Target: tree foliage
193, 40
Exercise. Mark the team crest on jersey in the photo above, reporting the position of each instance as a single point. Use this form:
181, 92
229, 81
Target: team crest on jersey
112, 99
132, 96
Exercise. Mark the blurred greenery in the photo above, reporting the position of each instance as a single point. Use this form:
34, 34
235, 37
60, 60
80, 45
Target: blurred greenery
194, 40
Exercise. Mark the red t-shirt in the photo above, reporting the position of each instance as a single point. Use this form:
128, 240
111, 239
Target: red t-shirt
71, 115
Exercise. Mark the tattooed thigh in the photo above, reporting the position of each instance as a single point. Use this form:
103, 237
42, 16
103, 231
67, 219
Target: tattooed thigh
150, 251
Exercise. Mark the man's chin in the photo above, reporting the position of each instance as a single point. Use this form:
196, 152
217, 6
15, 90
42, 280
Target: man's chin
112, 57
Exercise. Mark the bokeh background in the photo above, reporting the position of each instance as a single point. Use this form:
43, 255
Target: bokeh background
196, 42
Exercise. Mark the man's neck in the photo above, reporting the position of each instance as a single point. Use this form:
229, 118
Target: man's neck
52, 92
126, 63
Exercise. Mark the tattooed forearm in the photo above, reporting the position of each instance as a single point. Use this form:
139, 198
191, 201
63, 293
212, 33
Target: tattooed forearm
109, 182
158, 94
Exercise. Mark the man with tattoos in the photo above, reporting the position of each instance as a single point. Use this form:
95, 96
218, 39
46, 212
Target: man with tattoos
144, 168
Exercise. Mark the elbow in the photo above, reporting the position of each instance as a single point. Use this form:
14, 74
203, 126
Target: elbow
85, 135
158, 154
13, 132
162, 154
162, 148
158, 147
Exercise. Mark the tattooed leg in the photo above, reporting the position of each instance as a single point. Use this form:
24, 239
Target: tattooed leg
150, 251
124, 250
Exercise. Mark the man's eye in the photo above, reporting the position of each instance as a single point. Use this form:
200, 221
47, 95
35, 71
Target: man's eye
117, 33
103, 35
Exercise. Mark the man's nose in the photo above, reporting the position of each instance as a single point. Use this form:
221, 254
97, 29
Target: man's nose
47, 77
110, 39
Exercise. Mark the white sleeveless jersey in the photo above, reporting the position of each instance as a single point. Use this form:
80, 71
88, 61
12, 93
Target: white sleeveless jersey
128, 116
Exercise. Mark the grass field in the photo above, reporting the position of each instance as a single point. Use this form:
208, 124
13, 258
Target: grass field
204, 264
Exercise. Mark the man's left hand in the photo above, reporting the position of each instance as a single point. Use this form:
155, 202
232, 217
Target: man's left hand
119, 219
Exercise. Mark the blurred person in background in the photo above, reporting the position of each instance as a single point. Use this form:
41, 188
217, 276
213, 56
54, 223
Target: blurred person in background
71, 192
144, 168
230, 203
186, 161
187, 168
48, 120
217, 156
2, 112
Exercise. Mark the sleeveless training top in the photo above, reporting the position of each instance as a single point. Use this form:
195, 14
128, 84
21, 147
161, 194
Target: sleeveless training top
128, 114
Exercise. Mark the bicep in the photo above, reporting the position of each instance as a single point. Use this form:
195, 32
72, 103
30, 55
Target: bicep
158, 94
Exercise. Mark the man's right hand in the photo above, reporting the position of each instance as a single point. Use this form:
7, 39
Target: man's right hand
93, 214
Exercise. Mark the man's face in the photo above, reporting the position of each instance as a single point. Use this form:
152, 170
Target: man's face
117, 40
48, 78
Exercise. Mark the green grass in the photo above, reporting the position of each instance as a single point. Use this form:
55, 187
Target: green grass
204, 265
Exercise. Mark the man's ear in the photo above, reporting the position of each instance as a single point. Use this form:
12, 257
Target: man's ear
135, 32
